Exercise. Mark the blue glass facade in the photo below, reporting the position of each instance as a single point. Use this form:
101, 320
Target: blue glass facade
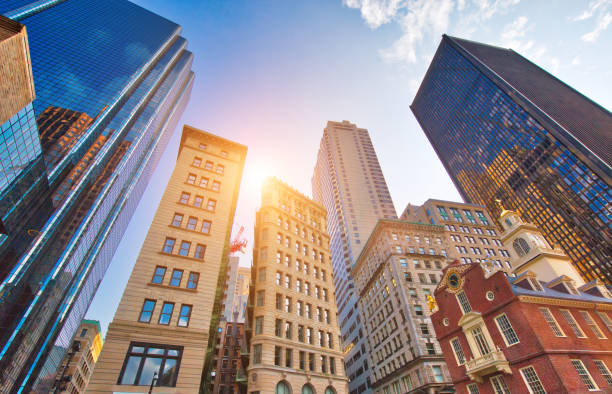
497, 144
120, 76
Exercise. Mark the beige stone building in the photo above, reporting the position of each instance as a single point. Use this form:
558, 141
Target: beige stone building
399, 266
295, 345
172, 303
474, 237
78, 364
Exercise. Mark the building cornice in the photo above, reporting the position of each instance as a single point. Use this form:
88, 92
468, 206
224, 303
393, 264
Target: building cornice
564, 302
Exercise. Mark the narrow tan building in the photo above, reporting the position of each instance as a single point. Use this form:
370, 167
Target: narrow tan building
172, 303
295, 346
397, 271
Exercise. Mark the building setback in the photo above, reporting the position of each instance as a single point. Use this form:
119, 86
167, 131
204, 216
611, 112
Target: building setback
506, 129
473, 236
171, 306
295, 346
396, 272
111, 81
539, 329
79, 363
349, 182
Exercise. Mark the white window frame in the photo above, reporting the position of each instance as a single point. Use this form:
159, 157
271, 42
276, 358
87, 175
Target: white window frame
501, 331
499, 385
455, 351
606, 319
552, 321
576, 363
461, 304
574, 321
473, 388
599, 334
521, 370
604, 371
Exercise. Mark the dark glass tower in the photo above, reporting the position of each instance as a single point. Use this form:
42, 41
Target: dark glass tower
506, 129
111, 81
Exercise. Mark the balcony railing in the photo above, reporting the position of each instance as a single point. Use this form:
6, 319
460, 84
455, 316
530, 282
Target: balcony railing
489, 363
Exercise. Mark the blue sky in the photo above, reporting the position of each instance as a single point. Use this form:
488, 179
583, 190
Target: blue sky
270, 74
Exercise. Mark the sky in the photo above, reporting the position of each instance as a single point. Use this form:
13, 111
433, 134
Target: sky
270, 74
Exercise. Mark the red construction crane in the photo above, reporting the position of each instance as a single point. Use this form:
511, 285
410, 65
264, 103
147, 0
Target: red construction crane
237, 244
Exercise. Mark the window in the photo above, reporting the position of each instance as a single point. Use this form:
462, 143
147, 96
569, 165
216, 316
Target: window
204, 182
202, 146
311, 361
437, 372
300, 310
288, 330
287, 281
177, 220
83, 332
499, 385
212, 204
184, 315
277, 357
521, 247
424, 329
532, 381
208, 165
458, 350
257, 354
216, 185
591, 323
288, 358
569, 318
147, 311
278, 327
259, 325
279, 302
287, 304
481, 342
197, 202
430, 348
166, 313
191, 179
309, 335
260, 298
301, 333
199, 251
169, 245
418, 310
552, 323
184, 250
184, 198
606, 319
604, 371
143, 360
585, 376
177, 275
323, 368
158, 275
191, 223
464, 302
503, 323
192, 282
473, 388
278, 278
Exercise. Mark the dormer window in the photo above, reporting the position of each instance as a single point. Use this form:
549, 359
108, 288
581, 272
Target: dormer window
521, 247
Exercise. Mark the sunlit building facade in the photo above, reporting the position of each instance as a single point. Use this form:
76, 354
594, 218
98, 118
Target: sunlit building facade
506, 129
295, 345
171, 307
111, 81
349, 182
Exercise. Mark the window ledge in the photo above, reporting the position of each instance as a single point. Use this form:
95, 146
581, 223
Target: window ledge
160, 285
182, 257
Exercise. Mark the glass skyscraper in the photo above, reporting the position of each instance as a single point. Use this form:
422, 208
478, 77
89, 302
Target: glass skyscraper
349, 182
506, 129
111, 82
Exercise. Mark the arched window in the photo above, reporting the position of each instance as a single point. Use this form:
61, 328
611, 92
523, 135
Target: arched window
330, 390
508, 222
283, 388
307, 389
520, 246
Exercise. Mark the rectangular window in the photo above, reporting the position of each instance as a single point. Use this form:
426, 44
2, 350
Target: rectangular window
192, 282
216, 185
143, 360
168, 245
591, 323
279, 302
288, 358
302, 360
220, 169
458, 350
212, 204
200, 251
481, 342
311, 361
569, 318
166, 313
288, 304
184, 198
464, 302
191, 179
177, 220
604, 371
503, 323
532, 380
259, 325
288, 330
585, 376
204, 182
177, 276
430, 348
208, 165
277, 355
257, 354
184, 316
552, 322
147, 311
260, 298
324, 364
197, 202
191, 223
499, 385
158, 275
184, 250
437, 372
473, 388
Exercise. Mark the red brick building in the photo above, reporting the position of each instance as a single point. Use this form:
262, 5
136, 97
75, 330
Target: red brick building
228, 361
521, 333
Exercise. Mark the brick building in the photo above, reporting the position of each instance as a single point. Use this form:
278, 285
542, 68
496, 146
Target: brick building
539, 329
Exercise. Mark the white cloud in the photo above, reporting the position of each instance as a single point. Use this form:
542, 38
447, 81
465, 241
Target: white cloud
554, 62
375, 12
515, 29
575, 61
593, 6
602, 24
